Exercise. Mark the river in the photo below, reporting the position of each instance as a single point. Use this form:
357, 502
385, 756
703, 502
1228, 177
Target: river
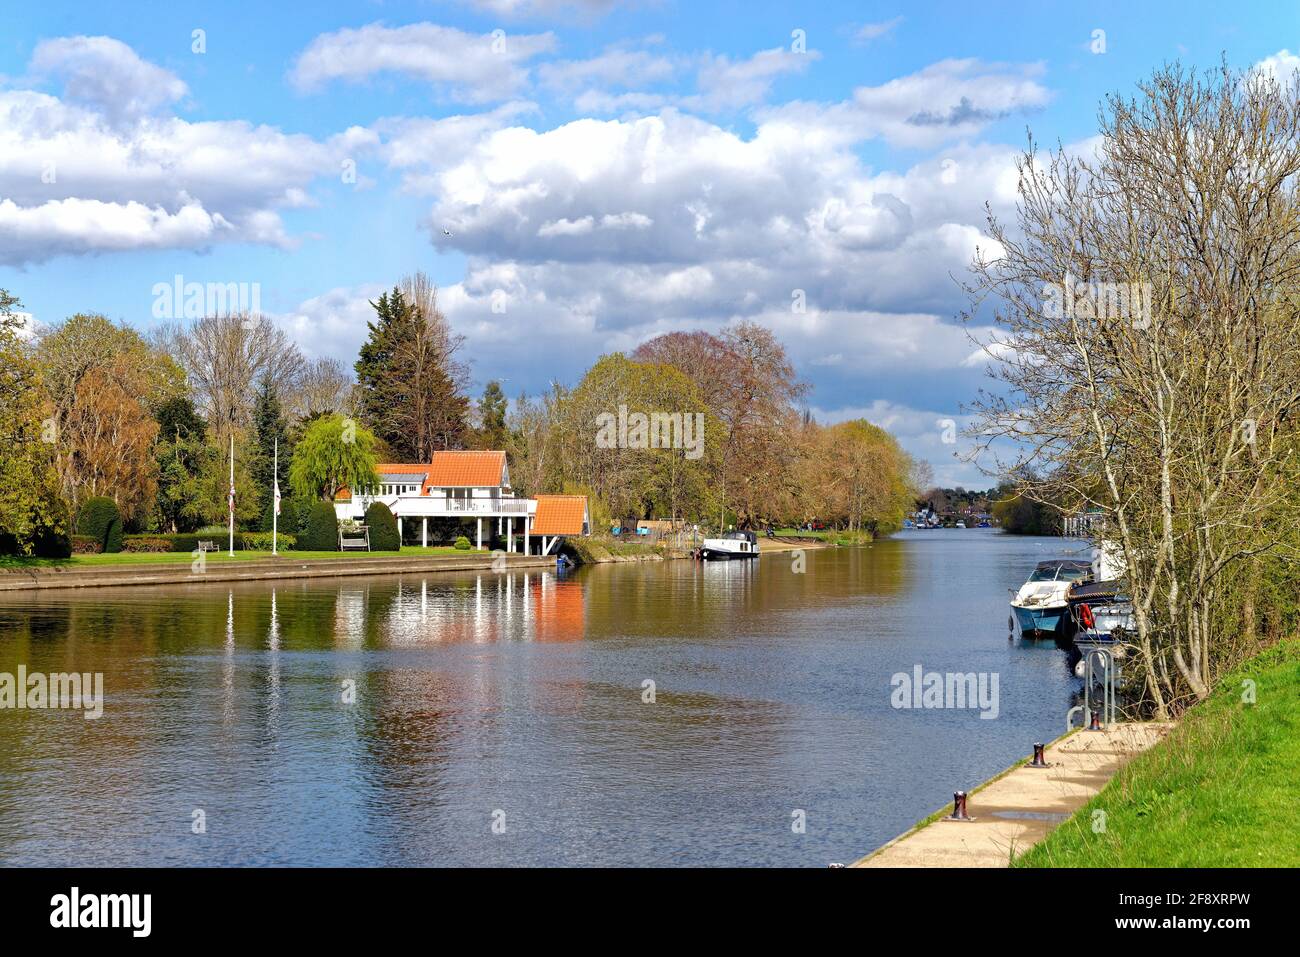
485, 719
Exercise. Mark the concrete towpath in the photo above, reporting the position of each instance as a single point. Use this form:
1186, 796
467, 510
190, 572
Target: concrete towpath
1015, 811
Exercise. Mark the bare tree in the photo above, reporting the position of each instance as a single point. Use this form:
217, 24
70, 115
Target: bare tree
324, 386
226, 356
1148, 321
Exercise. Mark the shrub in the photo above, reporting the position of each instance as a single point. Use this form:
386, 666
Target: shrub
261, 541
99, 519
322, 533
288, 514
462, 543
147, 543
383, 528
54, 539
85, 545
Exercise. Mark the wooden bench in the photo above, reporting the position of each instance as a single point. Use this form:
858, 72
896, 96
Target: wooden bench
360, 542
209, 547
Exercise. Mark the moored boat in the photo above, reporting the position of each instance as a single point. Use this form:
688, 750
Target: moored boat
1041, 606
731, 545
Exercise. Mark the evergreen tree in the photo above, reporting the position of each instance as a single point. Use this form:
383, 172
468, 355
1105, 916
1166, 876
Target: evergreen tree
407, 376
269, 427
492, 417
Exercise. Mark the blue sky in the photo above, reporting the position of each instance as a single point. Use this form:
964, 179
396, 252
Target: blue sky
606, 170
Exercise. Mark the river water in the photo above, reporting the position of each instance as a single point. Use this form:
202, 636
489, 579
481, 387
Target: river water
485, 719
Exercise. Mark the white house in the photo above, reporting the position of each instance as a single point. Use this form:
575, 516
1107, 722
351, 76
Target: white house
465, 485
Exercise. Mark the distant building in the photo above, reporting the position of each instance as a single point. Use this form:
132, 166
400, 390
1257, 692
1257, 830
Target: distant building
469, 486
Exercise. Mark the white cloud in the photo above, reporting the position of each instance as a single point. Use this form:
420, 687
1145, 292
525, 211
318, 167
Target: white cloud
1284, 66
946, 101
613, 68
472, 67
106, 74
71, 226
332, 324
874, 31
727, 84
77, 180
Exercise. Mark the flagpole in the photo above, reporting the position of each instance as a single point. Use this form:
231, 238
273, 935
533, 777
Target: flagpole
232, 494
275, 510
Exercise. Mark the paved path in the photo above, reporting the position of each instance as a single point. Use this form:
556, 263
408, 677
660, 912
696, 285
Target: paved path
286, 566
1018, 810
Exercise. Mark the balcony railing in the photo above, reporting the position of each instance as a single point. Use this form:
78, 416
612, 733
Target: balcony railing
441, 505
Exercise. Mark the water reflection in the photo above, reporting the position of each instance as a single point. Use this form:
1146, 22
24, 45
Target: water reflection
520, 692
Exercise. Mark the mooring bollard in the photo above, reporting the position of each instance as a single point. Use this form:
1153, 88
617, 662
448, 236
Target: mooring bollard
959, 808
1038, 761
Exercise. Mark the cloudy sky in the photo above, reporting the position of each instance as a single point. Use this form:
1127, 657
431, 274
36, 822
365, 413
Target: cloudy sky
577, 175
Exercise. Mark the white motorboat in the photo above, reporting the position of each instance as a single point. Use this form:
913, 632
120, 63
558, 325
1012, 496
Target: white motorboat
731, 545
1041, 607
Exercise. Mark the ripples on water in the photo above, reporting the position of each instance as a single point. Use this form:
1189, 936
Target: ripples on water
522, 694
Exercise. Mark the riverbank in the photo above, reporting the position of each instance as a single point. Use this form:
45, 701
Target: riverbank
1019, 807
1218, 792
246, 566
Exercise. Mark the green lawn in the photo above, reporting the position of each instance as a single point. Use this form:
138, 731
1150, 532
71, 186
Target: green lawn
157, 558
826, 535
1218, 792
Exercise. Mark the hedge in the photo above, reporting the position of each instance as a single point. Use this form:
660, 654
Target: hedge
247, 541
85, 545
99, 519
462, 543
322, 534
383, 528
146, 543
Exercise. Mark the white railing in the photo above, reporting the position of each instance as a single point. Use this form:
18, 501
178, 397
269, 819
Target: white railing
516, 506
438, 505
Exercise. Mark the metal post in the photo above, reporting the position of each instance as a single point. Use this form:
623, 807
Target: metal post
959, 808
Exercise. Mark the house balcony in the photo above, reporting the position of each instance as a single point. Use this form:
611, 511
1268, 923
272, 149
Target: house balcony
439, 506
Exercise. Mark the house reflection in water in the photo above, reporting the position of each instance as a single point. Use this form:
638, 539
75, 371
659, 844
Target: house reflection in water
559, 611
484, 609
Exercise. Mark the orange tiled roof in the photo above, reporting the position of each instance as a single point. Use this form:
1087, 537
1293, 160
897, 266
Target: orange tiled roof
466, 469
399, 469
559, 514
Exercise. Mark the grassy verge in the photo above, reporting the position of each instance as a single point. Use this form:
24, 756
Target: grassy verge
590, 550
826, 535
1218, 792
164, 558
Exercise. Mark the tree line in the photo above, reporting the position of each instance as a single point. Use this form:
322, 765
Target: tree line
94, 409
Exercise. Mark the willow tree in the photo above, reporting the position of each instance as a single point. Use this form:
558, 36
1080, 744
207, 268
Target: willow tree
1149, 347
333, 453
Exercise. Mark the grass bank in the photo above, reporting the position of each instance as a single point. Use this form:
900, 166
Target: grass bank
162, 558
1218, 792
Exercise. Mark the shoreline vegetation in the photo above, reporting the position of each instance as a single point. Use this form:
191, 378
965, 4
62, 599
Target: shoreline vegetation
1219, 791
591, 550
